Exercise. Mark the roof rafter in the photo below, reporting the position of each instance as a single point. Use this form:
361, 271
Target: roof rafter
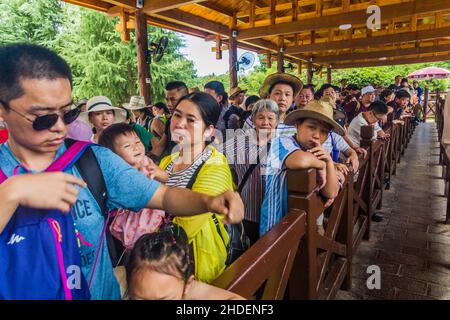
334, 21
382, 53
392, 62
372, 41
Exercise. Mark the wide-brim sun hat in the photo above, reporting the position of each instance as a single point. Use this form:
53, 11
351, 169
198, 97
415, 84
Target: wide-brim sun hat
235, 91
319, 110
280, 77
102, 103
136, 103
337, 114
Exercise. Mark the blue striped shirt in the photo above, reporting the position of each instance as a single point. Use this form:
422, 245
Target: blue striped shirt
274, 206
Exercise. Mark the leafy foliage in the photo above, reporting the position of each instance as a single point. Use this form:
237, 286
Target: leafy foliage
101, 63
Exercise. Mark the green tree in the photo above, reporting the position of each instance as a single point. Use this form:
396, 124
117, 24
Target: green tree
104, 65
36, 21
101, 63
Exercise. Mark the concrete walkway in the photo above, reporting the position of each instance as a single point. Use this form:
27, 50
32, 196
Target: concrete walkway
412, 245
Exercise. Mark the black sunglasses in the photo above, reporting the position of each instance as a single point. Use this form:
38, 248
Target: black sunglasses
47, 121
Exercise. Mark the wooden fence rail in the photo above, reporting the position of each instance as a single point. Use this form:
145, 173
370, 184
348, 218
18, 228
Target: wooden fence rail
444, 154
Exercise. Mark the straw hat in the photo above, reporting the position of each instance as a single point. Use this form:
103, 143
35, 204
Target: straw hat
278, 77
337, 114
102, 103
235, 91
316, 109
136, 103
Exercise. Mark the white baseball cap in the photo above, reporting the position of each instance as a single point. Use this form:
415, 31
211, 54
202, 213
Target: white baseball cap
368, 89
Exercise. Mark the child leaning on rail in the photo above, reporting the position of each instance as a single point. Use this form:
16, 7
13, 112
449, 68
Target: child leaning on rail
302, 151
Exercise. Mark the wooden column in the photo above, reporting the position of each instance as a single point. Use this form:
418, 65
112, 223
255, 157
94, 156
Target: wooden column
280, 56
142, 49
233, 53
269, 60
218, 47
425, 103
309, 72
329, 74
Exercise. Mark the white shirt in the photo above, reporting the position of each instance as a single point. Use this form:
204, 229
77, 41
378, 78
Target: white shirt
354, 130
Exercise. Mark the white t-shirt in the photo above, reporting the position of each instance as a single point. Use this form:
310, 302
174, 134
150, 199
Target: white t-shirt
354, 130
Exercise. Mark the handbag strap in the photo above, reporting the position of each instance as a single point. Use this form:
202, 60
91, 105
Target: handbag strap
250, 170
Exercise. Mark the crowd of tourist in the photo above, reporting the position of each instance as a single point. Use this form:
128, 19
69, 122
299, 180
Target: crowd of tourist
155, 191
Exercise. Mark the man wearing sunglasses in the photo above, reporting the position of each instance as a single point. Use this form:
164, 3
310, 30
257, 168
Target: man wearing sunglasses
36, 104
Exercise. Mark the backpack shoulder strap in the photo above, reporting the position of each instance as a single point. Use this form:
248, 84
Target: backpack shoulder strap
74, 151
194, 176
3, 176
91, 173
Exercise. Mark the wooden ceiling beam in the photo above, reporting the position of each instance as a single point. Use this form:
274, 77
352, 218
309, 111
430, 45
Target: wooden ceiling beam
402, 60
176, 27
164, 5
383, 53
373, 41
181, 17
91, 4
212, 6
390, 11
126, 4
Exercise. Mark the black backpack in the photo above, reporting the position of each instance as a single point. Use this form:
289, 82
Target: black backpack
91, 173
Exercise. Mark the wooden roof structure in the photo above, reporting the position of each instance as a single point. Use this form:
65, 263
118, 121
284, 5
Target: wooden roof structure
410, 31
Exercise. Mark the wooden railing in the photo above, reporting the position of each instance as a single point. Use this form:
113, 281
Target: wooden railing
322, 264
263, 271
444, 154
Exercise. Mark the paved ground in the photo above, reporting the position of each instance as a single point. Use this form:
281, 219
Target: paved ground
412, 245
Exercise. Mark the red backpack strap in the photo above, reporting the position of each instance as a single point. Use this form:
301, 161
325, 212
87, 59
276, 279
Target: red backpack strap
68, 158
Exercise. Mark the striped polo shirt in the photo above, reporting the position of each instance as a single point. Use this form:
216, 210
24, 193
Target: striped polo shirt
241, 152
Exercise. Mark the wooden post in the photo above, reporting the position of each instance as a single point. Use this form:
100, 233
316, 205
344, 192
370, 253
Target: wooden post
218, 47
366, 142
269, 60
329, 74
425, 103
309, 72
301, 196
280, 56
124, 31
233, 53
142, 49
299, 68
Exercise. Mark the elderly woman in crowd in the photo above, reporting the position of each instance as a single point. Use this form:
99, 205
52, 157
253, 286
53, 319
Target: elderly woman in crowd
246, 155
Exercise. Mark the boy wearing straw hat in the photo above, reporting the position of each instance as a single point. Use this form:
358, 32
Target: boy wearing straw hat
281, 88
313, 124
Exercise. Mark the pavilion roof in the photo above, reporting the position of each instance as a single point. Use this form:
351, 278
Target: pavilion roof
411, 31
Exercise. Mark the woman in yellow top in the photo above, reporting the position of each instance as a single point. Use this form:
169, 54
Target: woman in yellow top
202, 168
